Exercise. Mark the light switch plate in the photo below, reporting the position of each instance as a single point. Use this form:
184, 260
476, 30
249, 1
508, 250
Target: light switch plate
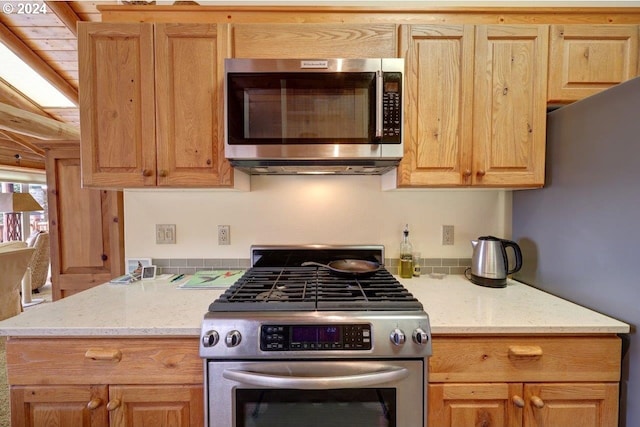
165, 234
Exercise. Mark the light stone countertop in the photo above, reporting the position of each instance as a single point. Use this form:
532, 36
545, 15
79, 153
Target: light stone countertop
157, 308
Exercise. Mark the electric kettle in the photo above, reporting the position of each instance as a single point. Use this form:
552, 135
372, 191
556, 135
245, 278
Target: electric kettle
490, 264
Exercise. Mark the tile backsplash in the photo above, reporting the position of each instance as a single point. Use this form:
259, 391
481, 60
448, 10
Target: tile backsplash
191, 265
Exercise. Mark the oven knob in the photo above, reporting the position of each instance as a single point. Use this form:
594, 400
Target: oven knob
210, 338
233, 339
420, 336
397, 337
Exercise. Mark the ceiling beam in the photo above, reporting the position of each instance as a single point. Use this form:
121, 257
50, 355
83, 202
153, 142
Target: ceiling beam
26, 123
21, 49
66, 14
23, 142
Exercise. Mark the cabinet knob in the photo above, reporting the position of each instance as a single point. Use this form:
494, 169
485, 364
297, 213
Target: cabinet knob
537, 402
113, 404
163, 173
147, 172
481, 172
104, 257
103, 354
518, 401
94, 403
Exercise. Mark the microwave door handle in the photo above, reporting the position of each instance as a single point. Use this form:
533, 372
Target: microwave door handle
379, 96
391, 374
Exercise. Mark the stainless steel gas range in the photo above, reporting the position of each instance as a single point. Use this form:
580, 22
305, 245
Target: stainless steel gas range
291, 345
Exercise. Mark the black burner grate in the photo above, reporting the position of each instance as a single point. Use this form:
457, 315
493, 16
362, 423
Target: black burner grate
312, 288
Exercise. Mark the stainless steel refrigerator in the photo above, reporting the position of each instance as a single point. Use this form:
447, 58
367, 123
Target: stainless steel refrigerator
580, 234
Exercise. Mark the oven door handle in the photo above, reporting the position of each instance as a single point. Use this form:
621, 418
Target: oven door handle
389, 374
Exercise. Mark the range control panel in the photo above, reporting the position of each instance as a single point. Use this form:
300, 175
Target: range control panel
315, 337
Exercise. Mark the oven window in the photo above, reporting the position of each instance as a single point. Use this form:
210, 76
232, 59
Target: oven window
365, 407
293, 108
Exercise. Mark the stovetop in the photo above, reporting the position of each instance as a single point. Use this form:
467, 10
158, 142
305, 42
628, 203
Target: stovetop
279, 308
314, 288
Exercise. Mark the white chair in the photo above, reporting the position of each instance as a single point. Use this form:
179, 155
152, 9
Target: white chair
14, 261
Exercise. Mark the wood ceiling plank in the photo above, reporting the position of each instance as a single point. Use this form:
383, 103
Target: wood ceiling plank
43, 33
25, 20
59, 55
52, 44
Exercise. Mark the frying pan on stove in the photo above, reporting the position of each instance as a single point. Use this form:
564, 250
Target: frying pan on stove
349, 267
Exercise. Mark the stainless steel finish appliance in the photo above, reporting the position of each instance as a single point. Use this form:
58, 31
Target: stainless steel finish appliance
288, 116
293, 345
489, 262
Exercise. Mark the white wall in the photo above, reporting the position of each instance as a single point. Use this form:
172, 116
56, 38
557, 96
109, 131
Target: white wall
311, 209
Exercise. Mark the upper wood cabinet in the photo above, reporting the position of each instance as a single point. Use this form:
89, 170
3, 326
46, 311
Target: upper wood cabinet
314, 41
151, 105
475, 109
509, 106
438, 113
585, 59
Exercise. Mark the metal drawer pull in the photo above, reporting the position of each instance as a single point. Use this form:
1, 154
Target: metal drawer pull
537, 402
525, 352
113, 404
103, 354
518, 401
94, 403
316, 383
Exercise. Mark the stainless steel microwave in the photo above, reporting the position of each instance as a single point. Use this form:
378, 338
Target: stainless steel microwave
340, 116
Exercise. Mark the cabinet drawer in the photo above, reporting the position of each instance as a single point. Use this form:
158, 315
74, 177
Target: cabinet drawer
525, 359
104, 361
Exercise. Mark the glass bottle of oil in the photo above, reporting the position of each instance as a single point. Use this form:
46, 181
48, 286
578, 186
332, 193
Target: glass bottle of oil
406, 255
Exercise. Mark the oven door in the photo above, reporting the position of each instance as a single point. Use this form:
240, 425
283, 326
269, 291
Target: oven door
316, 393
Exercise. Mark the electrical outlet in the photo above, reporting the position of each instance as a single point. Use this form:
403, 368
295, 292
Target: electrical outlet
165, 233
224, 235
447, 234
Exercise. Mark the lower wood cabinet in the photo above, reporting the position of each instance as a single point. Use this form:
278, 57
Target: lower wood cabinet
523, 405
568, 381
105, 382
479, 381
102, 405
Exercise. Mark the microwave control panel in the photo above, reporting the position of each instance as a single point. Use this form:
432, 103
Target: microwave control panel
391, 107
315, 337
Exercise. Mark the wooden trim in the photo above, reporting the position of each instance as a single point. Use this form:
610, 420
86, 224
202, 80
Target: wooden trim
18, 47
371, 14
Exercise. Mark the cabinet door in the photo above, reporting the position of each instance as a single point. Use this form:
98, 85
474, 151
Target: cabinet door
438, 113
117, 109
585, 59
157, 406
314, 41
571, 405
510, 105
189, 87
486, 405
77, 406
86, 227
